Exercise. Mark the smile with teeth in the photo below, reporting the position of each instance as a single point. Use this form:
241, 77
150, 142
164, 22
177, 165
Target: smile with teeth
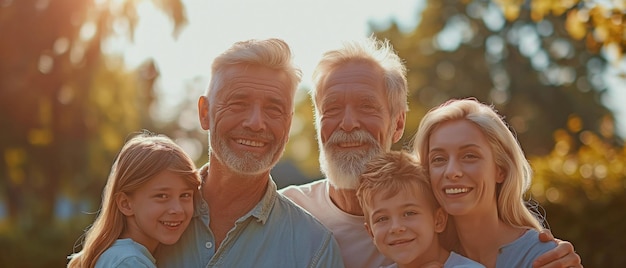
250, 143
171, 223
456, 190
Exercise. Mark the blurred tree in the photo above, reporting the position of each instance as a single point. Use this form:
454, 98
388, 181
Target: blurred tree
66, 107
583, 192
533, 72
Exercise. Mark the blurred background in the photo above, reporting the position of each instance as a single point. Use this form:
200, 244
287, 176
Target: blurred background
77, 77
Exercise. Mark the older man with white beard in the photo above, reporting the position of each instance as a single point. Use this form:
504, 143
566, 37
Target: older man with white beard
360, 99
360, 108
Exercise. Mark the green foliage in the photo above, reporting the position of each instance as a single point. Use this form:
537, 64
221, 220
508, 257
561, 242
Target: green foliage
65, 110
583, 192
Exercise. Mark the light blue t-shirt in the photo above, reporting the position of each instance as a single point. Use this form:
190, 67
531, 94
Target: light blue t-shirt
523, 251
275, 233
126, 253
454, 261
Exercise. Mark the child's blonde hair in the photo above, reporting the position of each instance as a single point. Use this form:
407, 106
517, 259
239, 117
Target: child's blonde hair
141, 158
389, 174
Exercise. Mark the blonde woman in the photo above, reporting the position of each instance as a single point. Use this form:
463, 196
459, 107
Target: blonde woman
148, 200
479, 174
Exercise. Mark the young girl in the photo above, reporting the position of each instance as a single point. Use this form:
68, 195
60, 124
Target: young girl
479, 175
148, 200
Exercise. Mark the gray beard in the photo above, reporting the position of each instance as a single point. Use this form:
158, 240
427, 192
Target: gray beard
343, 167
244, 162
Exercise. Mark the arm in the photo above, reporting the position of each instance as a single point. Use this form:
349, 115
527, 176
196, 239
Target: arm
561, 256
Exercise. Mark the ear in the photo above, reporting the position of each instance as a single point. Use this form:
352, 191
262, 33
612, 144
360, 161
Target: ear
203, 112
368, 229
399, 126
123, 204
500, 175
441, 219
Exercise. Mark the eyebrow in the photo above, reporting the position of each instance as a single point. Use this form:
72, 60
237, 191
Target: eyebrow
462, 147
405, 205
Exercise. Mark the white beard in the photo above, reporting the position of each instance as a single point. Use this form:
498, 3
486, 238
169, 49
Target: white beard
343, 167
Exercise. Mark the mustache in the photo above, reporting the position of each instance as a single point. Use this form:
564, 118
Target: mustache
340, 136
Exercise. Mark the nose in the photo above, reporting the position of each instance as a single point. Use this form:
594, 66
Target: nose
397, 226
453, 170
255, 120
350, 120
175, 207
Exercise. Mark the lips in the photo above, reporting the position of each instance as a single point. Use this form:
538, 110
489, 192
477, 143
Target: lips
400, 242
350, 144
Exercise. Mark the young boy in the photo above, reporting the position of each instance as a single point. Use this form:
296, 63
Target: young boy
402, 215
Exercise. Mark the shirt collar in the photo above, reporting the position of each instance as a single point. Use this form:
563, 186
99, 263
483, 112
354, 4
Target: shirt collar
261, 211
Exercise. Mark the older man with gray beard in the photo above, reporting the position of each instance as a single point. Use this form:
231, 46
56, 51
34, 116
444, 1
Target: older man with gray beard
360, 99
360, 108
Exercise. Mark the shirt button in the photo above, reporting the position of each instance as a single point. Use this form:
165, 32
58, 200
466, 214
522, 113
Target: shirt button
208, 245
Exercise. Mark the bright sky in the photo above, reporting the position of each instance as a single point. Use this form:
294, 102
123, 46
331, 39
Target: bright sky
310, 27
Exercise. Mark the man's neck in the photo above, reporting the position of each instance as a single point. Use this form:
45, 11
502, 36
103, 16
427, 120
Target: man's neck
345, 199
230, 196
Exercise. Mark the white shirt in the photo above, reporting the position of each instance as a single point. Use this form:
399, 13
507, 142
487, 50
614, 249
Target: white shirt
357, 248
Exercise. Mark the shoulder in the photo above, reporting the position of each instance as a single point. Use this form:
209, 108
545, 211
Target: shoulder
458, 261
530, 241
308, 195
126, 253
304, 189
523, 251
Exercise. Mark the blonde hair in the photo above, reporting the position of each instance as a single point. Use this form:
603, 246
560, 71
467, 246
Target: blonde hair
391, 173
141, 158
272, 53
508, 154
371, 50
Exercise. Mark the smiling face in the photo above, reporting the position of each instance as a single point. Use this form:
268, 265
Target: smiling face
462, 169
404, 227
249, 118
158, 211
355, 123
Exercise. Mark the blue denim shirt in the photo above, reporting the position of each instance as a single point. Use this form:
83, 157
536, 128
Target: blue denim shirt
275, 233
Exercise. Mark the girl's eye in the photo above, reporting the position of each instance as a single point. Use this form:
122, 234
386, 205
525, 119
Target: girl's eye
380, 219
186, 195
162, 196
